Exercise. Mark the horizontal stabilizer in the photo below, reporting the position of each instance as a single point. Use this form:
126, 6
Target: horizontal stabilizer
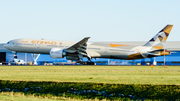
156, 51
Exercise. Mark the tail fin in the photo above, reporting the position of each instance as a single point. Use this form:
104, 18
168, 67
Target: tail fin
160, 38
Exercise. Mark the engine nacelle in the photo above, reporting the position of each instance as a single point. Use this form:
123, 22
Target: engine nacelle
57, 53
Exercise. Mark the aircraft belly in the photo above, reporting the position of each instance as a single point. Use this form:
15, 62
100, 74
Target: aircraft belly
116, 55
32, 49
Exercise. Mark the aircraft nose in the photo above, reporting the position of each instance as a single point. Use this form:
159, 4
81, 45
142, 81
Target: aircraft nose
6, 45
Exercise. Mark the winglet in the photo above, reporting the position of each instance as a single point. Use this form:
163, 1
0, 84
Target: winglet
160, 38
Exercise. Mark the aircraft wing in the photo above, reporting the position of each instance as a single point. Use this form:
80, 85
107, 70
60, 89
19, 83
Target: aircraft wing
79, 47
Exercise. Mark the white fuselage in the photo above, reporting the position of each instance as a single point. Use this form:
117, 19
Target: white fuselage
78, 50
93, 49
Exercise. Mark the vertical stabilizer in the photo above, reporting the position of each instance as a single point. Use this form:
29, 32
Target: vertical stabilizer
160, 38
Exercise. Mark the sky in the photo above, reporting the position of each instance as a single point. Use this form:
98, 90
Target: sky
102, 20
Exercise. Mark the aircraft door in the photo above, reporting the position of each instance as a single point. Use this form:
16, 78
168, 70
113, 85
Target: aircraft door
37, 45
105, 49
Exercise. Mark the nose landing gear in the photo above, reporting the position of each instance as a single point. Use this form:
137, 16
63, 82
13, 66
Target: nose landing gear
15, 55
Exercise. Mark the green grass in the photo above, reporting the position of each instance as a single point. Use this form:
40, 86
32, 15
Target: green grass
97, 74
20, 97
11, 96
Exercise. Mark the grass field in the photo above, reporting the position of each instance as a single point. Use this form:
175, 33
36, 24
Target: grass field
9, 96
20, 97
98, 74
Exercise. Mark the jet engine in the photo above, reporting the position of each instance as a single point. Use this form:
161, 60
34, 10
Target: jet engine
57, 53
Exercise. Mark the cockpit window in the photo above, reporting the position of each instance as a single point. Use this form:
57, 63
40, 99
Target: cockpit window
7, 42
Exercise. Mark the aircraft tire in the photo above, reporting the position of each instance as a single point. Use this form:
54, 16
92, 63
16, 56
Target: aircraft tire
15, 57
93, 63
90, 63
87, 63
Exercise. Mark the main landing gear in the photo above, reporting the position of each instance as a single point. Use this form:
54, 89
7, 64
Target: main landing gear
85, 63
15, 55
80, 60
88, 63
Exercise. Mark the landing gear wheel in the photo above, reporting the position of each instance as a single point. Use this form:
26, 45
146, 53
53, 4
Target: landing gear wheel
79, 62
88, 63
85, 63
15, 57
92, 63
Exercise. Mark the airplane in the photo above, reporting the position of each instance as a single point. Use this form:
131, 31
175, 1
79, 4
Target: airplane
84, 49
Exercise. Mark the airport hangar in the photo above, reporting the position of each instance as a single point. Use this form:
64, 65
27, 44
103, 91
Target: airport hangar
7, 56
